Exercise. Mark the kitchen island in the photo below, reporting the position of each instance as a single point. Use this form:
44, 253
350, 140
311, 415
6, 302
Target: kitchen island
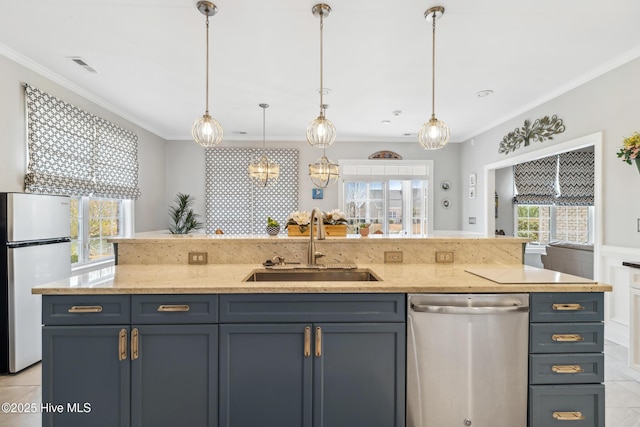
176, 344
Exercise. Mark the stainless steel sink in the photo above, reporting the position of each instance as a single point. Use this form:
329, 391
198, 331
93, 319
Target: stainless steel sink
312, 276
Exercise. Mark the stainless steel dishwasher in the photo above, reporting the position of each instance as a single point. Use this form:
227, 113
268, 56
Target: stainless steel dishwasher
467, 360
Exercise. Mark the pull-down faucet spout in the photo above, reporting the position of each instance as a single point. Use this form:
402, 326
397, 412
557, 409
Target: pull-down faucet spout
312, 255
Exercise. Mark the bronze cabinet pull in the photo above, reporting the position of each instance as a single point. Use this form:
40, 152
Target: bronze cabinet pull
567, 369
122, 345
134, 343
567, 307
568, 416
567, 337
85, 309
307, 341
174, 307
318, 341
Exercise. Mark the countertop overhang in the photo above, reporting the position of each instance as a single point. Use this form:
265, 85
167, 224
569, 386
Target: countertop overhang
230, 279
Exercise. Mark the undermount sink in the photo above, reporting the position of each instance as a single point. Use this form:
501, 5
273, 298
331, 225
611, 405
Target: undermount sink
312, 276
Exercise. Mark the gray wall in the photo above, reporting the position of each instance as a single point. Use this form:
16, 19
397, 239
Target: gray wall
150, 208
185, 172
607, 104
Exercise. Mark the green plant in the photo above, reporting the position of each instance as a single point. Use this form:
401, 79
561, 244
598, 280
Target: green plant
272, 222
183, 217
364, 226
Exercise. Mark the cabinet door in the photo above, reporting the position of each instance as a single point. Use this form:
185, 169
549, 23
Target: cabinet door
174, 375
265, 376
85, 371
359, 375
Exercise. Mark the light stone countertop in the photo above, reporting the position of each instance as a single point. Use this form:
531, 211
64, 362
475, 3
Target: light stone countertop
229, 278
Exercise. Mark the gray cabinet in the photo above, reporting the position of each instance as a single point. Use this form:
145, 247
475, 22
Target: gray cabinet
333, 360
566, 364
162, 372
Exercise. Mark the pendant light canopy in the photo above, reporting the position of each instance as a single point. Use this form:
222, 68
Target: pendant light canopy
263, 171
321, 133
434, 134
206, 131
324, 172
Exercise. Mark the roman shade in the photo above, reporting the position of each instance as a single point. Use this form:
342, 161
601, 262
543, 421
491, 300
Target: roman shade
535, 181
73, 152
576, 178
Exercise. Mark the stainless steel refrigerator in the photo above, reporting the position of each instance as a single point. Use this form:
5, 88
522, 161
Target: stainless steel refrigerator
35, 249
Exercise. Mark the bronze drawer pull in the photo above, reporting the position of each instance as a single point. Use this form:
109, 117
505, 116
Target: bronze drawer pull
307, 341
85, 309
122, 345
568, 416
567, 337
318, 342
134, 343
567, 307
174, 307
567, 369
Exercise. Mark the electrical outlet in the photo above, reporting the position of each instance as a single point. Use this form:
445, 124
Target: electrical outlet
472, 220
198, 258
444, 257
393, 256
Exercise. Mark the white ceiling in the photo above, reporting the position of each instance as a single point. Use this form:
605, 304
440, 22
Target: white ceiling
150, 57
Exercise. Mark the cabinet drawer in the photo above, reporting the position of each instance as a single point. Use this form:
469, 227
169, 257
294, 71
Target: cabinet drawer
567, 307
566, 337
164, 309
279, 308
575, 405
566, 368
85, 309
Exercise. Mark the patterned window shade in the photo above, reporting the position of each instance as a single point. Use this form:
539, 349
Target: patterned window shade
75, 153
576, 179
234, 204
535, 181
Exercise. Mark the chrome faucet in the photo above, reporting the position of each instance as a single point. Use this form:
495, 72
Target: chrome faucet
312, 255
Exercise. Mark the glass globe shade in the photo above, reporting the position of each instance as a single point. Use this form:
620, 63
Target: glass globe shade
263, 172
434, 134
324, 172
321, 133
206, 131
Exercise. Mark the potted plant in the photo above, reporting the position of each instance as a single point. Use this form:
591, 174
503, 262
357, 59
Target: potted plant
364, 229
183, 217
273, 227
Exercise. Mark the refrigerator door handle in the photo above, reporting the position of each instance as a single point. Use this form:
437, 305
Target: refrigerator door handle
450, 309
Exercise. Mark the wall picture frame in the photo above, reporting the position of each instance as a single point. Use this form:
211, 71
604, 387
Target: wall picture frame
472, 180
317, 193
472, 192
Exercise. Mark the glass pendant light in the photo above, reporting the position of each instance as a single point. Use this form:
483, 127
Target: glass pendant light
206, 131
434, 134
263, 172
321, 133
324, 172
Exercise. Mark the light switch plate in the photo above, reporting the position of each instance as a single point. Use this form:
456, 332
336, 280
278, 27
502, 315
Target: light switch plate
444, 257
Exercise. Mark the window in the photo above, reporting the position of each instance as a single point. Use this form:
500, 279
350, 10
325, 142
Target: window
545, 224
403, 201
93, 221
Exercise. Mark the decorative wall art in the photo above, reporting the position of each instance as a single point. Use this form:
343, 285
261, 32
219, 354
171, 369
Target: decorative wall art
472, 192
541, 130
472, 180
386, 155
317, 193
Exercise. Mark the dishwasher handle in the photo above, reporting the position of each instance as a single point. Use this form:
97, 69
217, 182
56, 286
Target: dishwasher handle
453, 309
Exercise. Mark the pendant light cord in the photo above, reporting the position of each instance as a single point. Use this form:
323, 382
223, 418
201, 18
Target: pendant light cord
433, 69
207, 76
321, 63
264, 109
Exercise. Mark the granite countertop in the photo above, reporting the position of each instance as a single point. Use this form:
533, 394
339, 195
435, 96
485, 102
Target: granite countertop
394, 278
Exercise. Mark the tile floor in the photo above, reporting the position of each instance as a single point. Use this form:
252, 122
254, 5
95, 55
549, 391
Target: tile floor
622, 392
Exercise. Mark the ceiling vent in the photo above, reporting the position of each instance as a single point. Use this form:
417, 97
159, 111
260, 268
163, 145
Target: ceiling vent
81, 62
